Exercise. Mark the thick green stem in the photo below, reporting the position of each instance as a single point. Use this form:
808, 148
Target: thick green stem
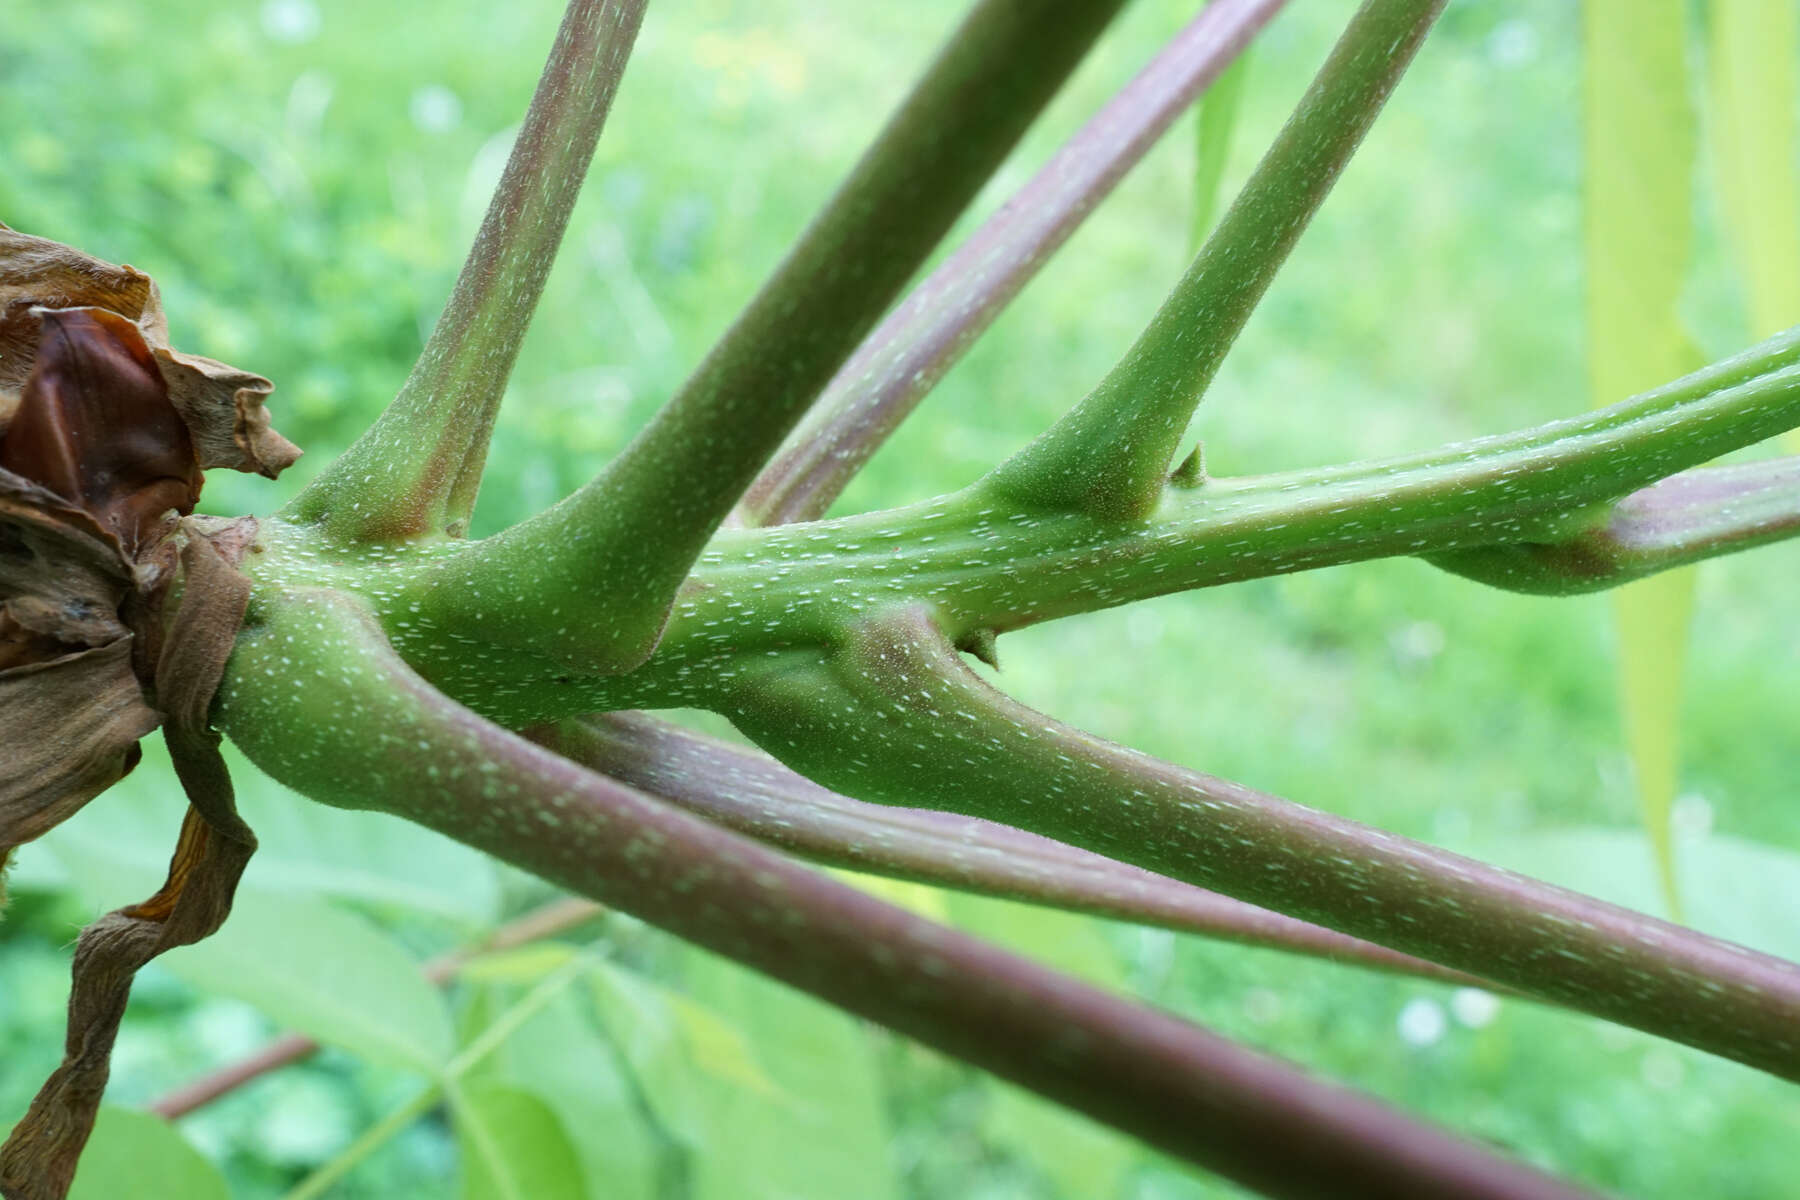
1110, 456
1688, 517
631, 535
757, 796
364, 731
982, 565
921, 339
896, 717
415, 472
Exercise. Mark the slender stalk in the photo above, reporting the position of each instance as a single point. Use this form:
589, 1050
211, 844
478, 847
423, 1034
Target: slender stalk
757, 796
895, 717
1110, 456
1688, 517
415, 471
321, 1181
633, 532
367, 732
920, 340
514, 1018
559, 916
443, 1089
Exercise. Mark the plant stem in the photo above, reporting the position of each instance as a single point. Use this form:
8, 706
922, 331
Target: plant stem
513, 1019
895, 717
1110, 456
983, 565
321, 1181
920, 340
757, 796
366, 731
415, 471
1688, 517
632, 533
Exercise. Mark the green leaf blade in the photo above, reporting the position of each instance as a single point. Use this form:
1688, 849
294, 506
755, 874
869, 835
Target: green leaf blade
1641, 147
1752, 85
513, 1145
317, 969
560, 1056
1214, 121
130, 1150
326, 973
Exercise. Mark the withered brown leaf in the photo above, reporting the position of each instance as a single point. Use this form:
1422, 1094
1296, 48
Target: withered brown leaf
104, 432
94, 424
222, 406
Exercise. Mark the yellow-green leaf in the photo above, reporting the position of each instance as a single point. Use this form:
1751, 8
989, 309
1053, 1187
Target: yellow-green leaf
1214, 121
1751, 75
130, 1150
1640, 143
523, 965
514, 1146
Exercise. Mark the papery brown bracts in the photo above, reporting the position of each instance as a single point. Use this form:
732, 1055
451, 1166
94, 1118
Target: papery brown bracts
104, 434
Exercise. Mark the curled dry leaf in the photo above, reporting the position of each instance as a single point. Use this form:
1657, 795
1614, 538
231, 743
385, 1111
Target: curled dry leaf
221, 405
38, 1160
104, 432
95, 374
95, 467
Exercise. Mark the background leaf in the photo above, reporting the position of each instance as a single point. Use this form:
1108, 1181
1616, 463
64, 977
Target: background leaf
1082, 1159
561, 1058
326, 973
319, 970
514, 1146
685, 1055
1640, 140
1214, 121
132, 1151
302, 847
1751, 76
827, 1137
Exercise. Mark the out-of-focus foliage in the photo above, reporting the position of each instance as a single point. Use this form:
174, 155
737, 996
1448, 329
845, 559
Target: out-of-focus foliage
303, 176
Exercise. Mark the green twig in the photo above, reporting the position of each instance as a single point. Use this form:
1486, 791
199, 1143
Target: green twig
896, 717
631, 534
983, 565
757, 796
1110, 456
898, 364
328, 1176
415, 471
1684, 519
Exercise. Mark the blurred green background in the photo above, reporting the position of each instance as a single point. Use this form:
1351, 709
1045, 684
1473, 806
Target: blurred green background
302, 178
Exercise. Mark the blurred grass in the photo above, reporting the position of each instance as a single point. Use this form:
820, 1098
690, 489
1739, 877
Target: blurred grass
302, 177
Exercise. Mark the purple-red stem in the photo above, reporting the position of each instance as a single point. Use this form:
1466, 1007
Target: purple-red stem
753, 794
